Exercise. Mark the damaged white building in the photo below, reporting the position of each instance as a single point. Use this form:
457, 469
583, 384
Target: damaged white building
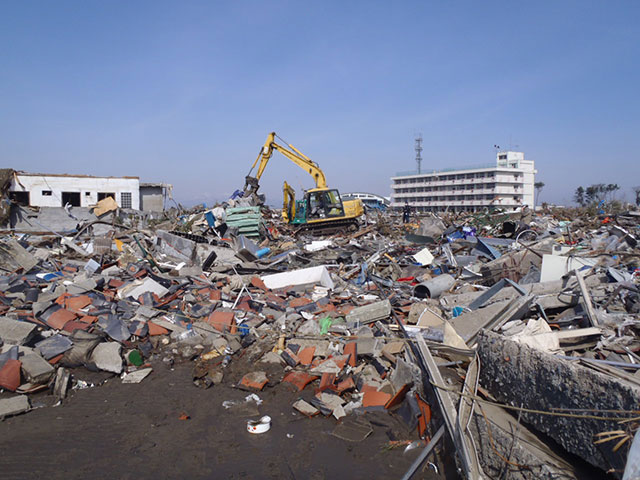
59, 190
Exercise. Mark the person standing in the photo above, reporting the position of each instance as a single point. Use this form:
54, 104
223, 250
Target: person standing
406, 213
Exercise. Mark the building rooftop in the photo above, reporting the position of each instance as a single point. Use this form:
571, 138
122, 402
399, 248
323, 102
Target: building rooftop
29, 174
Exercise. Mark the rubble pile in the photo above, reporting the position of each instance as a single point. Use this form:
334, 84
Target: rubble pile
491, 329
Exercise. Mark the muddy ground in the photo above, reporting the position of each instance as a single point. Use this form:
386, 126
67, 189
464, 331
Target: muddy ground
134, 431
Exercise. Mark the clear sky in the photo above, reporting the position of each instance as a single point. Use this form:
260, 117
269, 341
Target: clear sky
186, 92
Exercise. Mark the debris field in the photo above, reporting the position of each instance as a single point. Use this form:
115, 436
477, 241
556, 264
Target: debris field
457, 346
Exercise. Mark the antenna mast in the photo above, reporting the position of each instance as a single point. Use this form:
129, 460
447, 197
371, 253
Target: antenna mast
418, 149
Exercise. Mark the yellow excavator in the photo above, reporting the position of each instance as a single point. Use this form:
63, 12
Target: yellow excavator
322, 208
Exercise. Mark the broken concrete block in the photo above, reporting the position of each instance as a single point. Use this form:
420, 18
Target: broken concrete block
521, 445
272, 357
61, 384
365, 341
177, 247
82, 284
36, 369
137, 376
14, 332
15, 256
305, 408
106, 356
401, 375
14, 406
554, 383
369, 313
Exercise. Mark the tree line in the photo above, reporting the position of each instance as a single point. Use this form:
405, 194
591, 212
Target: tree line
600, 192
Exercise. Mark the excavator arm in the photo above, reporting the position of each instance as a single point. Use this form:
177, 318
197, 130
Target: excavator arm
292, 153
289, 204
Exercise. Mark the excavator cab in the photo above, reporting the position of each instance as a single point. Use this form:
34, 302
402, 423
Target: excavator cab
324, 204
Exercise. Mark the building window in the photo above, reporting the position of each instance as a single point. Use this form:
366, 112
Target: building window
21, 198
502, 157
103, 195
87, 194
47, 193
125, 199
71, 198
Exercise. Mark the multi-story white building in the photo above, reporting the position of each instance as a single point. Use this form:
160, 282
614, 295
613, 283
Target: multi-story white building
507, 184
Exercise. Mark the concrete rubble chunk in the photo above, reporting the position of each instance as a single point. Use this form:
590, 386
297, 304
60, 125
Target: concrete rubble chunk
36, 369
14, 405
369, 313
15, 255
136, 376
555, 383
14, 332
177, 247
106, 356
305, 408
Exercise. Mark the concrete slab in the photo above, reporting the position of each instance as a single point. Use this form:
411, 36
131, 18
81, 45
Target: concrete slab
369, 313
520, 375
14, 332
137, 376
175, 246
518, 444
36, 369
16, 256
14, 405
107, 357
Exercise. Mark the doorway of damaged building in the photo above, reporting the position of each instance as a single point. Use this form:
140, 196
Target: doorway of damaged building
20, 198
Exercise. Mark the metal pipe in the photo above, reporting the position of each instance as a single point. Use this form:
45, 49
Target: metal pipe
425, 453
435, 287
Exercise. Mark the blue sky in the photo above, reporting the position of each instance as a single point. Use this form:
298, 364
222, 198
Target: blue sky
186, 92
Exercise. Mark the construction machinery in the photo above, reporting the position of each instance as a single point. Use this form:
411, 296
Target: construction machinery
321, 208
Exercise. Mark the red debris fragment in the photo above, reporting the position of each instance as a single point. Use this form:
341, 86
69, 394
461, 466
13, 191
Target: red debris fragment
299, 379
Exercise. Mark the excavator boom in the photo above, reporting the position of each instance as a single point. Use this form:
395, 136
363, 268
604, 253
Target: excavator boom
293, 154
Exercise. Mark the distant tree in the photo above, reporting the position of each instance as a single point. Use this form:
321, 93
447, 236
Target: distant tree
578, 196
636, 190
538, 186
595, 193
610, 190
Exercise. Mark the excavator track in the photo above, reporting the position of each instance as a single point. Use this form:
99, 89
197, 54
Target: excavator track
328, 228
